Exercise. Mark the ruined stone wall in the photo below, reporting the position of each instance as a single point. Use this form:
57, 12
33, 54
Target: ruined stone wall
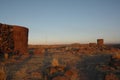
13, 38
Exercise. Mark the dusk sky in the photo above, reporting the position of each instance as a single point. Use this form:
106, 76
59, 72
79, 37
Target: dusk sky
64, 21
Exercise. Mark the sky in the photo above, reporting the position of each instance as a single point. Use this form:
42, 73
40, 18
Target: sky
64, 21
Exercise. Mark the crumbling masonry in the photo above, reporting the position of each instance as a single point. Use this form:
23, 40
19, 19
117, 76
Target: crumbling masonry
13, 39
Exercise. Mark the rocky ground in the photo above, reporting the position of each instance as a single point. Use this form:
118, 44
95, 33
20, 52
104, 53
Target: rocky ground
60, 66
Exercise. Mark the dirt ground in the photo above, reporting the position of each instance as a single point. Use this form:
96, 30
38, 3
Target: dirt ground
68, 67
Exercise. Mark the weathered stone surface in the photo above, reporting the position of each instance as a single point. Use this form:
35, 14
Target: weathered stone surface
13, 39
20, 37
6, 38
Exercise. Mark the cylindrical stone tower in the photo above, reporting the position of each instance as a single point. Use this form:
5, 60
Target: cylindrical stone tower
100, 42
13, 39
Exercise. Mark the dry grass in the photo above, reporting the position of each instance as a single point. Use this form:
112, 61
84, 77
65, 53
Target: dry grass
111, 76
3, 75
72, 65
116, 56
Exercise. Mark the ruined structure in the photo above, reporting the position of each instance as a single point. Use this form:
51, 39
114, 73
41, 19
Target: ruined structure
13, 39
92, 44
100, 42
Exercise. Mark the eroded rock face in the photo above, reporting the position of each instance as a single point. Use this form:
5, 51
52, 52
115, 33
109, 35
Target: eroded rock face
13, 39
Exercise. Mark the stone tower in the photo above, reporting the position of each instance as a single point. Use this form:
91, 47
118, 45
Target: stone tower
100, 42
13, 38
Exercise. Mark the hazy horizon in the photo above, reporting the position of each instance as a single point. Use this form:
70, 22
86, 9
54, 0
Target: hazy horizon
64, 21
